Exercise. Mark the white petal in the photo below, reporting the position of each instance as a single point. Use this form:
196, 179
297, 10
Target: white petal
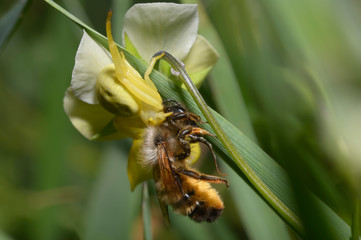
88, 119
90, 59
201, 56
201, 59
169, 27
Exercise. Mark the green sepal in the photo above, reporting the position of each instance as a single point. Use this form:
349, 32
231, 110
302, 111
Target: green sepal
108, 130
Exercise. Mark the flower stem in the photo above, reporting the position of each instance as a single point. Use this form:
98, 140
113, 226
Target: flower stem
147, 223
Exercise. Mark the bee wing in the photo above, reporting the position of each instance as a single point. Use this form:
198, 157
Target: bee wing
164, 208
166, 172
157, 175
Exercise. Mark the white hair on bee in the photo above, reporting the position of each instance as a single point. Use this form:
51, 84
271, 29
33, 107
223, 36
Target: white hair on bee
149, 150
165, 149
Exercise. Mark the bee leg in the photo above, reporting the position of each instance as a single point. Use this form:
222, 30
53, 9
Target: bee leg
191, 116
195, 117
170, 101
197, 138
177, 116
183, 116
183, 133
202, 177
181, 112
197, 131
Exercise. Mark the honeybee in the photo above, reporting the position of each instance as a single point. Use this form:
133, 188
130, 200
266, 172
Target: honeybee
166, 148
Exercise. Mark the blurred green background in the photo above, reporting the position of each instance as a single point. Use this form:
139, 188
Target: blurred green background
289, 77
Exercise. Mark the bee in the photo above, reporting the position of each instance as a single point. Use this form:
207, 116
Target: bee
166, 149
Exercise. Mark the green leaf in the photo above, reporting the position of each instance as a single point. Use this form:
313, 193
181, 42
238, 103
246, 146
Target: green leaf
258, 219
109, 129
11, 20
130, 46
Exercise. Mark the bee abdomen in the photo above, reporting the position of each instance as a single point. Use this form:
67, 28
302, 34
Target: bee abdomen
202, 213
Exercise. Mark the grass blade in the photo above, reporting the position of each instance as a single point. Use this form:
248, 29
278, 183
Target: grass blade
356, 221
11, 20
147, 223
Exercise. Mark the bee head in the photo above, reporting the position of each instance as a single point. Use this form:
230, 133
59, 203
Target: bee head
173, 106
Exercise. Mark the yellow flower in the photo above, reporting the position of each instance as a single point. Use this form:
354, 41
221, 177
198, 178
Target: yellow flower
103, 93
108, 99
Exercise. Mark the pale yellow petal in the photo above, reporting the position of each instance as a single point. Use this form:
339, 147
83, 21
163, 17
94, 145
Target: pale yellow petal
90, 59
195, 153
133, 127
136, 172
88, 119
200, 60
